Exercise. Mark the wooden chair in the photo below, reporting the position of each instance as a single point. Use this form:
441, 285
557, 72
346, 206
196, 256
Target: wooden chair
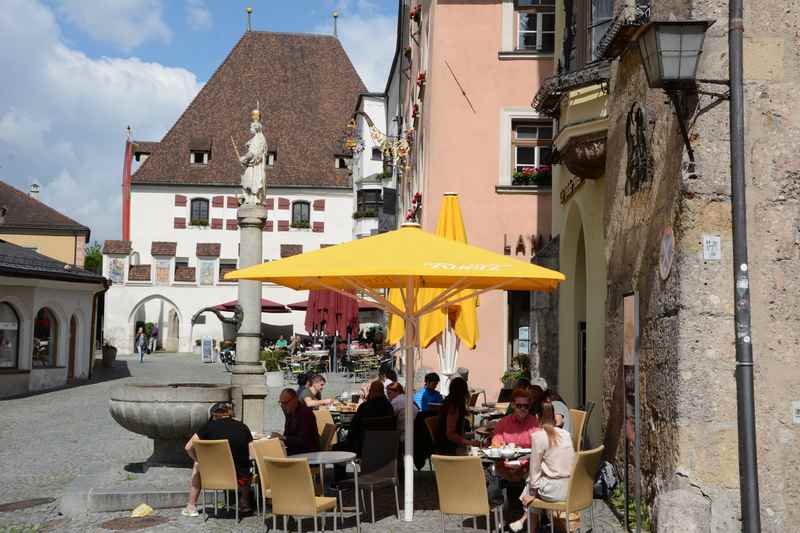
217, 470
461, 484
261, 449
578, 421
580, 494
324, 417
296, 495
327, 437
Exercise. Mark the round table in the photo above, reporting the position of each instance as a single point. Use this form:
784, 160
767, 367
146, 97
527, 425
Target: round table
333, 458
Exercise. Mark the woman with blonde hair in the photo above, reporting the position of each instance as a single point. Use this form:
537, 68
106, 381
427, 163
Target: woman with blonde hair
552, 459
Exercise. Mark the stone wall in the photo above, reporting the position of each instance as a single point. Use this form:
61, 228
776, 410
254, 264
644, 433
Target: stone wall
687, 355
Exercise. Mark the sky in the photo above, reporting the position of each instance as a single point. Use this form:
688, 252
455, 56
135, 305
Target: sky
76, 73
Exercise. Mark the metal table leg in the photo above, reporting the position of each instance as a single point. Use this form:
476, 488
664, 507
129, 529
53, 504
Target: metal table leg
358, 506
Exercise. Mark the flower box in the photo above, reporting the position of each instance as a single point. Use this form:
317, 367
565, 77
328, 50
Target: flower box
540, 176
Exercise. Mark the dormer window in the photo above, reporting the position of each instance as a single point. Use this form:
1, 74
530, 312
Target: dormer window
271, 158
342, 162
200, 151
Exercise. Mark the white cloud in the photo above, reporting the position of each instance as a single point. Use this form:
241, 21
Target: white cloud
198, 17
125, 23
369, 39
63, 119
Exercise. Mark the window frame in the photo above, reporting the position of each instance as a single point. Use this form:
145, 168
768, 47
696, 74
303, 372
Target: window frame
15, 362
537, 143
199, 221
206, 157
363, 202
580, 25
376, 150
225, 266
540, 11
300, 223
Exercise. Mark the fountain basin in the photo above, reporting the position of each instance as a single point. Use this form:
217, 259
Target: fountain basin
169, 414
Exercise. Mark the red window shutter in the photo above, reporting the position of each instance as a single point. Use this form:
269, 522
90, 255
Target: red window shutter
283, 225
268, 225
218, 201
319, 205
179, 223
270, 203
231, 224
233, 202
180, 200
283, 203
318, 227
216, 223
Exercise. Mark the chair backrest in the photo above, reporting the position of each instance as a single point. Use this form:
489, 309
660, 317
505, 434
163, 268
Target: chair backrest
323, 417
581, 484
379, 423
578, 424
215, 462
432, 422
266, 448
296, 494
504, 396
473, 398
379, 453
327, 437
461, 484
502, 407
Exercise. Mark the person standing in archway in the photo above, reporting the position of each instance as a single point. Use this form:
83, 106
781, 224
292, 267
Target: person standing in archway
140, 344
153, 339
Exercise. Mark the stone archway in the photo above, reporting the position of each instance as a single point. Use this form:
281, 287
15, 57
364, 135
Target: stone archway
163, 313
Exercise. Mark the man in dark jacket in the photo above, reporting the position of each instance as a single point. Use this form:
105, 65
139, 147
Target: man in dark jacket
300, 431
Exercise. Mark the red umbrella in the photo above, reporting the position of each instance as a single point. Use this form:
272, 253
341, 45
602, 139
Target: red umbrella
331, 312
267, 306
363, 305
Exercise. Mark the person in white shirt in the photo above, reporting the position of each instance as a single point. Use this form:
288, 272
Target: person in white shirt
397, 397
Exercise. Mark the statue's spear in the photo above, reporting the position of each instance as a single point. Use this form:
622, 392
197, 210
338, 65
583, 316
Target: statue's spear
235, 149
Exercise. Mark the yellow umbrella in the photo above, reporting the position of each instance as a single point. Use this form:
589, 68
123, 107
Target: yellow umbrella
465, 323
408, 259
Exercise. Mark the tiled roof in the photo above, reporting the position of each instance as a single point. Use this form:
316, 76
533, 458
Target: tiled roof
22, 212
117, 247
185, 274
23, 262
163, 248
144, 147
306, 88
139, 273
208, 249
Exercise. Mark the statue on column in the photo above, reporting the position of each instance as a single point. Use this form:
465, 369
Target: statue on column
254, 163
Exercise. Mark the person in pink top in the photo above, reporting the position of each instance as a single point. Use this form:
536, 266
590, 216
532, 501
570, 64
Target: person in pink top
517, 427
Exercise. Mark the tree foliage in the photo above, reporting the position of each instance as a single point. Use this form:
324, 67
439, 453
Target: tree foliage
94, 258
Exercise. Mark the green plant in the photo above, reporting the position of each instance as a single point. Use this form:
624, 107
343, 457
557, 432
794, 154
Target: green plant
368, 212
617, 501
93, 260
301, 224
148, 329
541, 176
199, 222
512, 375
271, 359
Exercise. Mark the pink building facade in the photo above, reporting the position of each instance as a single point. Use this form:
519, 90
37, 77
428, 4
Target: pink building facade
461, 87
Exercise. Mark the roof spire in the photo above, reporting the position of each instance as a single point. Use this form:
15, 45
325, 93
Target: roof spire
249, 18
335, 25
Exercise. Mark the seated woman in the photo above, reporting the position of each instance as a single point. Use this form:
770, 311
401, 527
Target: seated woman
311, 395
552, 459
452, 423
376, 406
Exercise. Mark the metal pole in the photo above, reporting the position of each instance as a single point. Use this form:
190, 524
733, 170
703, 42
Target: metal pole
410, 341
748, 464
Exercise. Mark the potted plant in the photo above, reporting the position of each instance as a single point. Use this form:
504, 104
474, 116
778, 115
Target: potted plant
272, 369
109, 355
540, 176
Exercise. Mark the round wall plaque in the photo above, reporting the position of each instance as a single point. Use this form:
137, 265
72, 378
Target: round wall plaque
667, 252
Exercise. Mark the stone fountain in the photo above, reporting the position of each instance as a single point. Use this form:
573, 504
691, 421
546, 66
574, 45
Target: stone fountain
169, 414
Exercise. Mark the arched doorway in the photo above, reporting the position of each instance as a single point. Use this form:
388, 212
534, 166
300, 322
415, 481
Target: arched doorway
73, 339
580, 321
160, 313
45, 339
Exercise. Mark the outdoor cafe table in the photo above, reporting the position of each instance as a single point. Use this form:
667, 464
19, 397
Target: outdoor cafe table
333, 458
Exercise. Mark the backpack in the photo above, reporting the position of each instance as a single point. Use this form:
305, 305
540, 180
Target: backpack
606, 481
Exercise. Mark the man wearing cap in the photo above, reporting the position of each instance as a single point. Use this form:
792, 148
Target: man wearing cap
222, 425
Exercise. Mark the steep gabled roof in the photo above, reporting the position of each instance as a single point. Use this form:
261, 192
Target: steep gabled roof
24, 213
305, 86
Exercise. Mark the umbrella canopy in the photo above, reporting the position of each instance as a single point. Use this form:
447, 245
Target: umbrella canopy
267, 306
408, 259
331, 312
463, 316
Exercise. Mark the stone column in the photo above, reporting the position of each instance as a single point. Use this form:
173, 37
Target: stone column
248, 372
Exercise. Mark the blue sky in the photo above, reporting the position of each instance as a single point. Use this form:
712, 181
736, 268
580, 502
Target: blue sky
77, 72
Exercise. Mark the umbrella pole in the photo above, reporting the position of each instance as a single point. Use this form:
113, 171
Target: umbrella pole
408, 456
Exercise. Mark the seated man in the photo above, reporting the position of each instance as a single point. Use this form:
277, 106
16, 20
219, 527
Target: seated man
300, 430
428, 394
222, 425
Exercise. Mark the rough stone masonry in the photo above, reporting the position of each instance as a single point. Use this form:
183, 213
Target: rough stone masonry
689, 427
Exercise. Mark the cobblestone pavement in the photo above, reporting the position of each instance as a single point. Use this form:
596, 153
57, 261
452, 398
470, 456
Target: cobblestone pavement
51, 439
